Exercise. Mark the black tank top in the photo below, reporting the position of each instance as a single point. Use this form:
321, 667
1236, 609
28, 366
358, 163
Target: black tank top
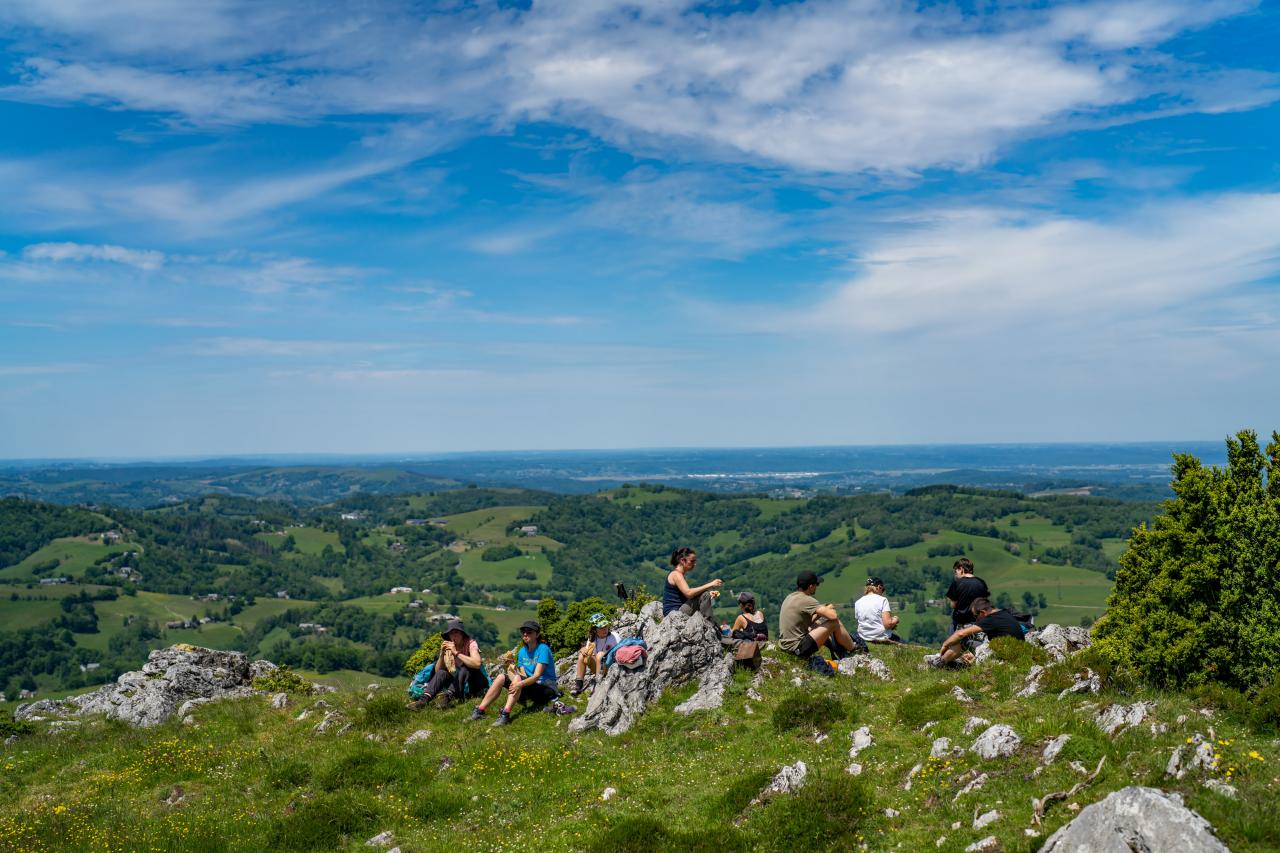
672, 597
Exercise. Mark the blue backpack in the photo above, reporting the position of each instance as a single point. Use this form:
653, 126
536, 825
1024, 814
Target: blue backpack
419, 682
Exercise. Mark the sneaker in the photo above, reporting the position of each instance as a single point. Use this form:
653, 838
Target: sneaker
577, 689
561, 708
476, 714
503, 720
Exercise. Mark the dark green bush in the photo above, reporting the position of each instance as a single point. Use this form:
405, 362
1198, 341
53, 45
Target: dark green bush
10, 727
500, 552
425, 654
828, 813
566, 631
386, 708
1259, 709
927, 703
1196, 598
644, 834
804, 710
364, 768
1018, 652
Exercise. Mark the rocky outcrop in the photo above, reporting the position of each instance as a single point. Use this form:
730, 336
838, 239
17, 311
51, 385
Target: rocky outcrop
180, 676
1136, 818
1060, 642
999, 741
1116, 718
873, 666
681, 649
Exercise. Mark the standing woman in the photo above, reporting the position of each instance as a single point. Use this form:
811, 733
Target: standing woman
750, 624
678, 595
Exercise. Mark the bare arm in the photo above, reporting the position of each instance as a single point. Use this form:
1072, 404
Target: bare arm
677, 580
956, 638
888, 620
826, 611
471, 660
739, 623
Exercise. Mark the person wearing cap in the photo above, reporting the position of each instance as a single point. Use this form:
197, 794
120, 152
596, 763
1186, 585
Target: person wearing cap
875, 621
532, 678
750, 624
459, 670
594, 651
806, 625
678, 595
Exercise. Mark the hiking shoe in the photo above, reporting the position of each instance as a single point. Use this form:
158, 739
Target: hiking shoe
476, 714
418, 704
577, 689
561, 708
503, 720
443, 701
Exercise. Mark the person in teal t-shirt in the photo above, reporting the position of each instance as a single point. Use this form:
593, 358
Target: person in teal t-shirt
531, 677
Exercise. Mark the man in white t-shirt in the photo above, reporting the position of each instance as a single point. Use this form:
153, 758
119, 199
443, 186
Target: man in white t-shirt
875, 621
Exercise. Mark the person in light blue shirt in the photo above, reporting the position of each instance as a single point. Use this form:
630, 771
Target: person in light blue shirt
531, 677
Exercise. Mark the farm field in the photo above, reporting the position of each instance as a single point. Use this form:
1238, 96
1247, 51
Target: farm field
488, 524
474, 570
506, 620
74, 555
308, 540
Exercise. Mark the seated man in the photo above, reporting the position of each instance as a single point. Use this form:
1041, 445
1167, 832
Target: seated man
805, 625
875, 621
991, 621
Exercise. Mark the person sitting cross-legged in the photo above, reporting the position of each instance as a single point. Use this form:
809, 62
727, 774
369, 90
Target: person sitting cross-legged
806, 625
992, 621
875, 621
595, 651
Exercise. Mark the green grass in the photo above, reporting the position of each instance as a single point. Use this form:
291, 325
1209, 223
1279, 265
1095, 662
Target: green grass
488, 524
638, 497
254, 778
475, 570
770, 508
75, 554
506, 620
385, 603
307, 540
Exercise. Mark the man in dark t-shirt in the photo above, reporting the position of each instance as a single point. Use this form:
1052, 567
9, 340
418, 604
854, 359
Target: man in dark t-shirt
964, 590
990, 621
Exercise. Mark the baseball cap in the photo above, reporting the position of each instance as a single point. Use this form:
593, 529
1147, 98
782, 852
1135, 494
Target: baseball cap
805, 579
531, 625
744, 597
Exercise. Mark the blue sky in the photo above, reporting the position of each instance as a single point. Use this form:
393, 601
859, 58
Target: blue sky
235, 227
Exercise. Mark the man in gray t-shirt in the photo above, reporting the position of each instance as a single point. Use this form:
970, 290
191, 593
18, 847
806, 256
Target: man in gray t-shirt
805, 625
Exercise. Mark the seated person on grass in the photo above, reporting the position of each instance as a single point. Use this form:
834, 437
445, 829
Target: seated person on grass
750, 624
532, 678
991, 621
875, 621
964, 590
805, 625
459, 671
594, 652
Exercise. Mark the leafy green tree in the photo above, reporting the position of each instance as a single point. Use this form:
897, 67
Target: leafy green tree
1197, 596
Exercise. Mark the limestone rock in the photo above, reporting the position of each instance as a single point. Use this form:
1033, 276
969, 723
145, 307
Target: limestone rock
974, 723
417, 737
1031, 686
1136, 818
608, 794
1060, 642
382, 839
982, 653
941, 748
169, 678
1220, 787
874, 666
790, 778
1084, 682
999, 741
973, 785
1116, 718
680, 649
854, 769
1053, 747
959, 695
985, 819
861, 740
280, 700
990, 844
332, 720
259, 668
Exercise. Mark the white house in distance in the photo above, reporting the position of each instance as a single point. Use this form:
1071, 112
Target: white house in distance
399, 589
352, 516
529, 530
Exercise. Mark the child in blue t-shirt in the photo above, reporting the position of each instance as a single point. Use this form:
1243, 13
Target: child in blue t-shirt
532, 677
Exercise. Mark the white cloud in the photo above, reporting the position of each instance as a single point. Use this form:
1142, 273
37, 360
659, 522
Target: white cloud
238, 347
142, 259
828, 85
980, 270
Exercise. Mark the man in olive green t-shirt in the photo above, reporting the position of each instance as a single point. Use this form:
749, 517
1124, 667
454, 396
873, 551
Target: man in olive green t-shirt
805, 625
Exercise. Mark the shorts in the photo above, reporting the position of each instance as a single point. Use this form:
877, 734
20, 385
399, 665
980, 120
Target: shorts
538, 694
806, 648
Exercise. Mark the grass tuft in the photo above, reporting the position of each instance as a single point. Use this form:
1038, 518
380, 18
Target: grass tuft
801, 709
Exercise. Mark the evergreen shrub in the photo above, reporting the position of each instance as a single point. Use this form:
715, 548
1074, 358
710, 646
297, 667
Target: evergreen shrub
1197, 595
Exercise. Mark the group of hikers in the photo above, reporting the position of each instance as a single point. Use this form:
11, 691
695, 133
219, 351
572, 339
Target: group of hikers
805, 627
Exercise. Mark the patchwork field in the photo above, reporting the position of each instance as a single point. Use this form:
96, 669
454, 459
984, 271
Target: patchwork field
74, 555
488, 524
474, 570
308, 540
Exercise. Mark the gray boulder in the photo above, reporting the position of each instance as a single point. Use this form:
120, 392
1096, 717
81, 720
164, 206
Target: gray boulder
1116, 718
681, 649
999, 741
1060, 642
1136, 818
169, 680
873, 666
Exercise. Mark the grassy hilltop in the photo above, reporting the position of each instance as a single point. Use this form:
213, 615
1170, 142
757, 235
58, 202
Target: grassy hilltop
247, 777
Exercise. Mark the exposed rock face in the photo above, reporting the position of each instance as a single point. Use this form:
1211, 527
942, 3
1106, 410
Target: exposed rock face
999, 741
1031, 686
1136, 818
680, 649
1083, 682
861, 740
790, 779
875, 666
1053, 747
941, 748
1116, 718
1060, 642
959, 695
173, 678
974, 723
